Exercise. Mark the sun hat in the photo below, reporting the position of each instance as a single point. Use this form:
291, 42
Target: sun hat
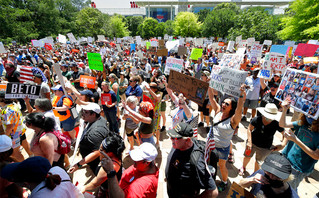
270, 111
145, 151
5, 143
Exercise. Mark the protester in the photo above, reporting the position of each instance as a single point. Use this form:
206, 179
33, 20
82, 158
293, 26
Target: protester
130, 123
110, 108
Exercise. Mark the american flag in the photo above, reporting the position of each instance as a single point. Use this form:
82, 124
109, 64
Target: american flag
27, 73
210, 144
194, 123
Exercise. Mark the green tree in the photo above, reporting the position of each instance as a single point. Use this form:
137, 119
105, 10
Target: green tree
186, 25
169, 27
132, 24
202, 14
220, 20
160, 29
301, 21
117, 27
147, 29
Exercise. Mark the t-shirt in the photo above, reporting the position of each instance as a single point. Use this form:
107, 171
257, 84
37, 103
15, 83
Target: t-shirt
300, 160
44, 89
263, 135
138, 185
76, 75
266, 190
67, 74
183, 178
134, 91
223, 132
111, 94
67, 102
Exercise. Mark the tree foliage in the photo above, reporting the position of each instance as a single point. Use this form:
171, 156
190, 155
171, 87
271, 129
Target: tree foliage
169, 27
301, 21
117, 27
147, 29
132, 23
186, 25
202, 14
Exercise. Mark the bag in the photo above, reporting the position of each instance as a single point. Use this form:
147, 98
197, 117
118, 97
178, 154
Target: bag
64, 142
213, 157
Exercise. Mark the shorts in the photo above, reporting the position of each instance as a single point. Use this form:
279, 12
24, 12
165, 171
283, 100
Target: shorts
68, 124
223, 152
261, 153
251, 104
163, 106
150, 140
129, 132
203, 108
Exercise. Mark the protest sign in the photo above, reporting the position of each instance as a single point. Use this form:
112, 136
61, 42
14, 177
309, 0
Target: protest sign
231, 60
162, 52
250, 41
95, 61
174, 64
192, 88
313, 42
152, 50
165, 37
236, 191
3, 87
118, 40
230, 46
72, 38
181, 41
289, 43
89, 81
62, 39
267, 42
277, 62
198, 42
264, 73
154, 43
172, 45
140, 54
307, 60
106, 98
255, 53
282, 49
148, 44
90, 39
161, 43
302, 88
37, 43
132, 47
182, 51
238, 39
228, 80
307, 50
196, 53
48, 46
18, 90
2, 49
100, 37
241, 50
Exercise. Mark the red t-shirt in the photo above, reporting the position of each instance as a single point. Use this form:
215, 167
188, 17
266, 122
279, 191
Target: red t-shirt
137, 185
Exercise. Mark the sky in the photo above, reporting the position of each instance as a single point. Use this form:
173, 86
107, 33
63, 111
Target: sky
112, 3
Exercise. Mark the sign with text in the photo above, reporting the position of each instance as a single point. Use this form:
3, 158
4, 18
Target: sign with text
307, 50
162, 52
301, 88
100, 37
181, 51
267, 42
174, 64
89, 81
18, 90
227, 80
307, 60
95, 61
277, 62
255, 53
231, 60
236, 191
2, 49
196, 53
152, 50
264, 73
106, 98
192, 88
72, 38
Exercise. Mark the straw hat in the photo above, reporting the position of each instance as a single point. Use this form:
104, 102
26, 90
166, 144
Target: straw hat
270, 111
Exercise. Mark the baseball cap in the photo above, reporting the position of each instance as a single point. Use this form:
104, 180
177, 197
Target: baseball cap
277, 165
181, 130
206, 73
33, 169
92, 107
87, 92
145, 151
57, 87
5, 143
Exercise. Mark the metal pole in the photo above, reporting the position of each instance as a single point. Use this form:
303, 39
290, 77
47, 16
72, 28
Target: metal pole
149, 10
171, 12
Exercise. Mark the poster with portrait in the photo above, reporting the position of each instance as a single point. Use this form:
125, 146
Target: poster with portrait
302, 88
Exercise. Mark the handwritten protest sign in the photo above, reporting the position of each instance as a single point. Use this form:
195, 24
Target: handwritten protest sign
182, 51
267, 42
264, 73
231, 60
277, 62
162, 52
255, 53
302, 88
307, 50
152, 50
192, 88
62, 38
100, 37
174, 64
228, 80
95, 61
236, 191
282, 49
2, 49
196, 53
161, 43
71, 38
17, 90
106, 98
148, 44
230, 46
154, 43
307, 60
89, 81
132, 47
250, 41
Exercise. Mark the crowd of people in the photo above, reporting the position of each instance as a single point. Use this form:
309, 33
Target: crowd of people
129, 103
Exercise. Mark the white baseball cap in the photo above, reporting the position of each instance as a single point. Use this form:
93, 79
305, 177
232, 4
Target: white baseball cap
145, 151
92, 107
5, 143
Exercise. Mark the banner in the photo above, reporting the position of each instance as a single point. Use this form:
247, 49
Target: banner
196, 53
231, 60
174, 64
106, 99
89, 81
227, 80
18, 90
302, 88
277, 62
95, 61
192, 88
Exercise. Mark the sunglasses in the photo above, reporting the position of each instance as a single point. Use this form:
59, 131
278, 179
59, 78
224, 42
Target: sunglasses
131, 81
227, 104
176, 138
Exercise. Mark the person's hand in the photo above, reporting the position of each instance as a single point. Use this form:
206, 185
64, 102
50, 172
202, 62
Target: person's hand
147, 87
164, 80
124, 104
27, 99
243, 90
277, 147
260, 179
290, 135
73, 168
106, 162
249, 145
286, 103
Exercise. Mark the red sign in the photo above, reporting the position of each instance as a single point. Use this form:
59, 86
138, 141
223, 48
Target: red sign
89, 81
48, 46
106, 99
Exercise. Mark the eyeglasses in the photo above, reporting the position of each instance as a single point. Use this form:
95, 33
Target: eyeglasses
227, 104
179, 138
131, 81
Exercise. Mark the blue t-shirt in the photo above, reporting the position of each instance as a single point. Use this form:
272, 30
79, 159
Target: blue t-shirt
256, 188
113, 97
300, 160
134, 91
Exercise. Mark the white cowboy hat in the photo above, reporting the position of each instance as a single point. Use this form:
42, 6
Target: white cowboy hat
270, 111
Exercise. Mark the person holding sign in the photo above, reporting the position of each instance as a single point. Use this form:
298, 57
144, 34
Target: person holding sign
303, 147
227, 117
109, 101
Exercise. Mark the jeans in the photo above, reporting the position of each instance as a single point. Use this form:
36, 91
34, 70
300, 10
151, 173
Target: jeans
298, 177
112, 119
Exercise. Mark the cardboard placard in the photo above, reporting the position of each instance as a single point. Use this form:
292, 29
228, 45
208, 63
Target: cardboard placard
173, 64
106, 98
192, 88
18, 90
95, 61
302, 89
231, 60
196, 53
277, 62
255, 53
152, 50
161, 43
162, 52
182, 51
227, 80
236, 191
89, 81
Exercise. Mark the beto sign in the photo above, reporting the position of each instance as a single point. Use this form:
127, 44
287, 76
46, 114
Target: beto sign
17, 90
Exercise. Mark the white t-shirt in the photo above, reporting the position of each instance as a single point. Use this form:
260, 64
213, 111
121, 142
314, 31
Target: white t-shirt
50, 114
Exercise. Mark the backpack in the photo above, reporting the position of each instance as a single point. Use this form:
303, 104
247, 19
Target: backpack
64, 142
200, 151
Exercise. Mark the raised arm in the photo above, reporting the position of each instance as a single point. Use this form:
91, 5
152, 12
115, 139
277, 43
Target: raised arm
212, 100
282, 122
238, 112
